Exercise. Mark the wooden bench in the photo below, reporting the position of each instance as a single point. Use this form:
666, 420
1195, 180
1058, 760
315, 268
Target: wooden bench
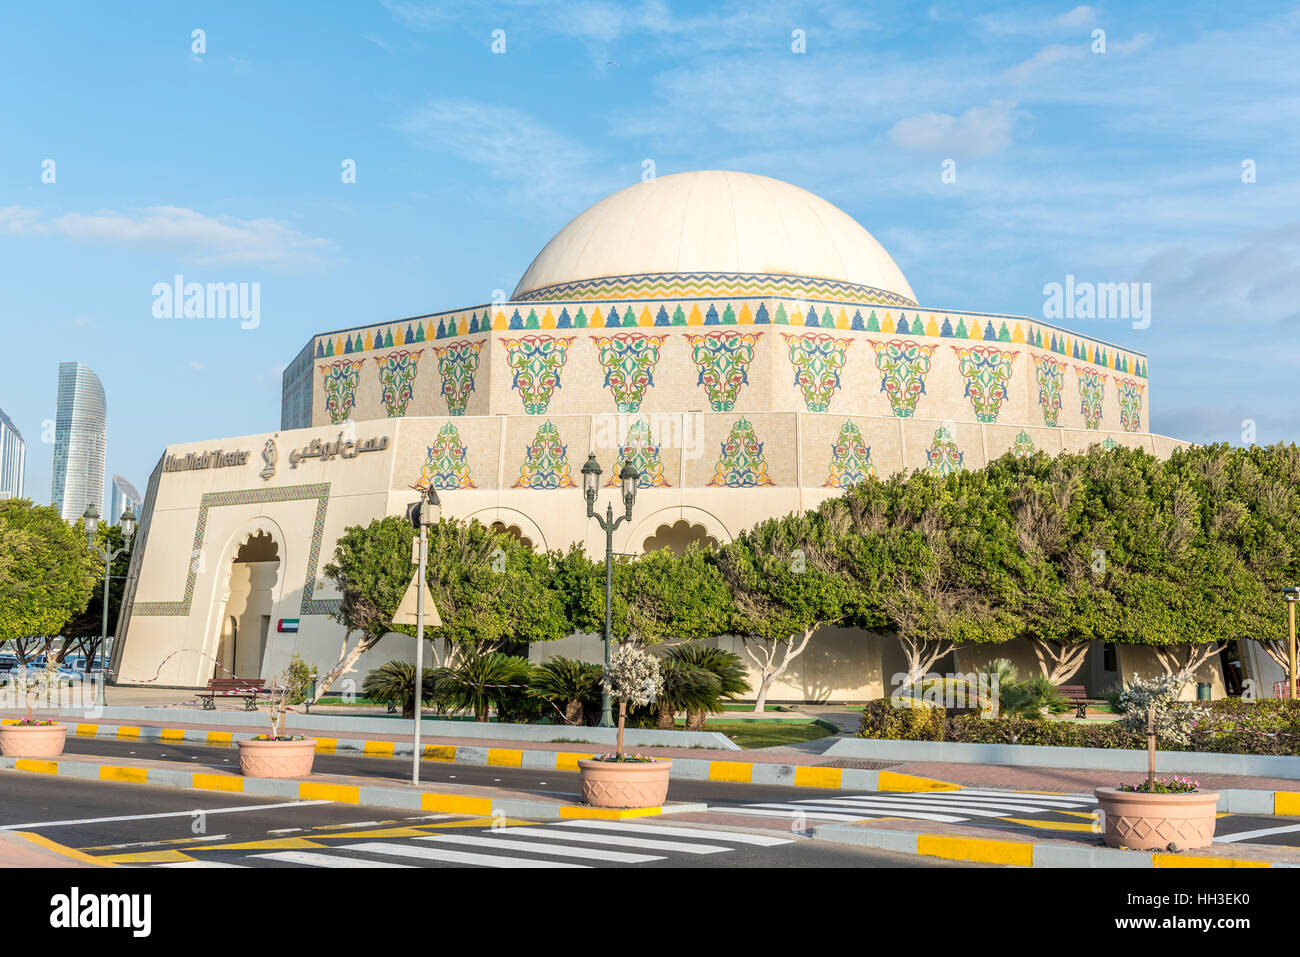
1077, 695
246, 688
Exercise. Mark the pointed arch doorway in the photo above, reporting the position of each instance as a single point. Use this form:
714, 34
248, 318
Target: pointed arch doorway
246, 621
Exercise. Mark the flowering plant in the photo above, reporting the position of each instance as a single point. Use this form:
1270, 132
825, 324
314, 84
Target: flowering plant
34, 723
279, 737
633, 758
1174, 785
633, 678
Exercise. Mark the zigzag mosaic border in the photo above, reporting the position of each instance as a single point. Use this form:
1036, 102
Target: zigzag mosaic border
953, 326
254, 496
689, 285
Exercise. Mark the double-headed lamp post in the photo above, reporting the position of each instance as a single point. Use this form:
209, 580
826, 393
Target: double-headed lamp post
425, 513
629, 478
1292, 595
110, 555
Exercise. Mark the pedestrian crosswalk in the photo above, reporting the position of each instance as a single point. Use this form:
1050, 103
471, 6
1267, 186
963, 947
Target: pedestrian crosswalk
946, 807
561, 844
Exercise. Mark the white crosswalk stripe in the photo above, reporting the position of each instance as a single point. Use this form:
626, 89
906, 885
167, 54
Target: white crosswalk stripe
579, 843
317, 859
948, 807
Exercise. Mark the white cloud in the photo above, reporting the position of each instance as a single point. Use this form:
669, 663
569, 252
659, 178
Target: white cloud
1048, 56
222, 239
1081, 16
20, 221
980, 131
542, 166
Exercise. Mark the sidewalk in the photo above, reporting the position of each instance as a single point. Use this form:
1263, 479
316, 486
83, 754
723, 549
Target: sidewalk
782, 765
21, 849
959, 842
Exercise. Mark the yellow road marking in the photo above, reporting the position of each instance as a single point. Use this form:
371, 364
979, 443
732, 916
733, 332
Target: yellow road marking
173, 734
326, 745
978, 849
146, 857
1055, 825
109, 772
505, 758
217, 782
1191, 860
219, 739
275, 844
609, 813
125, 731
893, 781
439, 752
1286, 802
455, 804
70, 852
343, 793
736, 772
568, 760
378, 749
808, 777
34, 764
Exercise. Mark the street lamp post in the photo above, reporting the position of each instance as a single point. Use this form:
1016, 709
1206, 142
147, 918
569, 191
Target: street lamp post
427, 515
109, 555
1292, 595
629, 479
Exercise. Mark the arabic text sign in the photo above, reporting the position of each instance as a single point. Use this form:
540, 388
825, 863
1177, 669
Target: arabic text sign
340, 448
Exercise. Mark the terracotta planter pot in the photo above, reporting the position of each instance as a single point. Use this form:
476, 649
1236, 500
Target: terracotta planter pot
1153, 822
624, 783
276, 759
32, 740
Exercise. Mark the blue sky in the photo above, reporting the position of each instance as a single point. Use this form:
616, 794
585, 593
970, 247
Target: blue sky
225, 166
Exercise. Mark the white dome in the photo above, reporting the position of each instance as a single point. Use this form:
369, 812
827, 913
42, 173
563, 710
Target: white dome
714, 221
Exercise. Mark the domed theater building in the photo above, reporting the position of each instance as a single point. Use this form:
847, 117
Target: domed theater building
747, 345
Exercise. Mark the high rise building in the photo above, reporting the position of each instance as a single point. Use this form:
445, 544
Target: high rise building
80, 441
13, 458
124, 494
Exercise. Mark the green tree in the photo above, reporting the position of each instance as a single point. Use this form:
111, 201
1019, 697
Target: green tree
47, 572
84, 629
785, 581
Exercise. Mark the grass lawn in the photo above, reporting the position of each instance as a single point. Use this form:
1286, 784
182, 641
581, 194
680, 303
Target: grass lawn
766, 734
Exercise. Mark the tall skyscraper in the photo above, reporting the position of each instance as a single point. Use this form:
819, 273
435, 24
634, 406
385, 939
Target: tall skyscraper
13, 458
124, 494
80, 441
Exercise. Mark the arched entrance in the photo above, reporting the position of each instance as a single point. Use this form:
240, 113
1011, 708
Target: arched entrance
677, 537
246, 623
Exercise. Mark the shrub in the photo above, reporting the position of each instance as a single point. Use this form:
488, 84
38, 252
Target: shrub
1173, 717
905, 719
1112, 697
394, 683
478, 680
1032, 698
733, 677
571, 686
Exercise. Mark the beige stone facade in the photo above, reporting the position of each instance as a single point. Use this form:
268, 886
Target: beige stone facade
742, 389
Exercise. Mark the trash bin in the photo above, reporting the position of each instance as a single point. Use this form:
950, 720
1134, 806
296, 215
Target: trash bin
1202, 691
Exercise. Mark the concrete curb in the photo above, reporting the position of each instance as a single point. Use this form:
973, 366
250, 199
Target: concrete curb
373, 795
1042, 756
1017, 853
432, 727
689, 769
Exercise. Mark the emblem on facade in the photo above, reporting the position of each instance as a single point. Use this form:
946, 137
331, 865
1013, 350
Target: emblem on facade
269, 457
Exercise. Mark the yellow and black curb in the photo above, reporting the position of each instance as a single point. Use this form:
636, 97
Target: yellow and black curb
441, 802
689, 769
1018, 853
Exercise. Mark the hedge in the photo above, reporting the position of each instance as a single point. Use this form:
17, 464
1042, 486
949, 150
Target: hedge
1229, 726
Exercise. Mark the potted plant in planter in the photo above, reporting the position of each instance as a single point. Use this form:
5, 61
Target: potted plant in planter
1158, 814
627, 780
279, 754
32, 737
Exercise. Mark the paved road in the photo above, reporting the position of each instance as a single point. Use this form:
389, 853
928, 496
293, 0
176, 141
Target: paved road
177, 829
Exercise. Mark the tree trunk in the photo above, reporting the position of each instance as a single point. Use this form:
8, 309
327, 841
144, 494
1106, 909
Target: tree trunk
1184, 664
1059, 660
481, 711
346, 660
921, 656
695, 720
665, 719
622, 719
766, 659
573, 711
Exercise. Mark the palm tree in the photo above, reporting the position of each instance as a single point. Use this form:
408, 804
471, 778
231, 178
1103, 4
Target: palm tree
726, 666
685, 688
394, 683
479, 680
569, 685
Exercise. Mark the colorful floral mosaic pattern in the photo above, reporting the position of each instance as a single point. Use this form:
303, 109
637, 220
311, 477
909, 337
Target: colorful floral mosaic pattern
252, 496
943, 456
458, 365
987, 371
1092, 386
629, 360
447, 464
850, 459
1023, 447
546, 461
1050, 374
723, 359
642, 452
536, 362
340, 380
817, 359
903, 366
397, 379
741, 464
1130, 404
